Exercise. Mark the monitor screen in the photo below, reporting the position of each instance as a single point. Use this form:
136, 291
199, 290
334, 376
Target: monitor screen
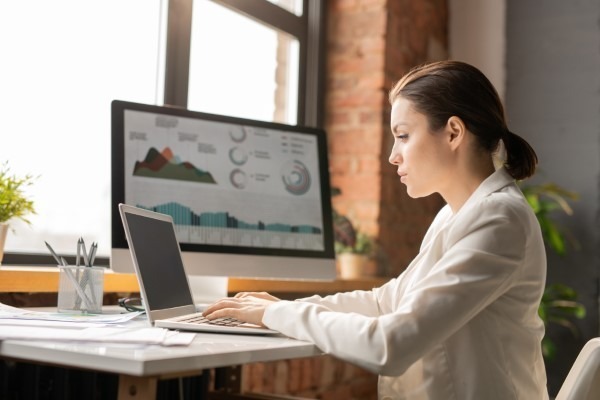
248, 198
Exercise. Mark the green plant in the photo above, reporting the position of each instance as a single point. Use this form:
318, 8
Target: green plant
544, 199
344, 233
559, 306
347, 238
559, 303
364, 244
13, 201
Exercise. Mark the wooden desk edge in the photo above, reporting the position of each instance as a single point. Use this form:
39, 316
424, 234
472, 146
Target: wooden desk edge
45, 279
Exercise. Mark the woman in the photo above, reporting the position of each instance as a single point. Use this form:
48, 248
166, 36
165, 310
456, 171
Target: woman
461, 321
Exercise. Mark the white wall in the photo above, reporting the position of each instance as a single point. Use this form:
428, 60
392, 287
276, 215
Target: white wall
477, 36
544, 59
553, 100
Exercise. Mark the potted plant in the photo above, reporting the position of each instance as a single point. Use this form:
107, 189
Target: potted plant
355, 259
13, 201
559, 303
354, 250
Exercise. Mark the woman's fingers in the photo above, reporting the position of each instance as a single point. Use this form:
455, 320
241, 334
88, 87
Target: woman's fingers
227, 302
260, 295
224, 313
247, 309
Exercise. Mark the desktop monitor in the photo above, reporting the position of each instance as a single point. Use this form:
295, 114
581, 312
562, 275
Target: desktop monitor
248, 198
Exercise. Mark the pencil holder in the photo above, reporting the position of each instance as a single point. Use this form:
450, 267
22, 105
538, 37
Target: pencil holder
80, 289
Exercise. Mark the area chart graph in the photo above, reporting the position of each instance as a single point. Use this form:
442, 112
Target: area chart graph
183, 215
166, 165
225, 229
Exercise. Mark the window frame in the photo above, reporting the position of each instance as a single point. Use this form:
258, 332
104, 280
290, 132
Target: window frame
309, 29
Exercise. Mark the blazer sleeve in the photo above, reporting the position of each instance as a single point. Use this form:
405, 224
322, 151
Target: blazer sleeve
363, 302
484, 254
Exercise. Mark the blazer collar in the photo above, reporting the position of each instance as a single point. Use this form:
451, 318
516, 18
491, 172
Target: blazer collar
493, 183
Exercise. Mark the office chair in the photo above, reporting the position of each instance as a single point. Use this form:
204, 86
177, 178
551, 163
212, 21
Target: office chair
583, 380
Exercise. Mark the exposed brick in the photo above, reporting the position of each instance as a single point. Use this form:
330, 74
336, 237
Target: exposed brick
337, 393
366, 210
327, 372
255, 383
372, 45
408, 26
372, 4
340, 118
294, 375
306, 378
269, 377
355, 141
342, 5
372, 116
281, 377
370, 165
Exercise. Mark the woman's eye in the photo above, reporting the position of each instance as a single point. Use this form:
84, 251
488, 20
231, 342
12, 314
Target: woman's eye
402, 137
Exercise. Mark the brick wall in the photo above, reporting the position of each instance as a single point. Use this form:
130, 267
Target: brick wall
370, 45
314, 378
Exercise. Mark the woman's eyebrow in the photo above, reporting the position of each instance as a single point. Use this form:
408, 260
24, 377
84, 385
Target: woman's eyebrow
398, 125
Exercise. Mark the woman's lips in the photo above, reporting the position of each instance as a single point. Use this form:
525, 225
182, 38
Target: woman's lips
402, 176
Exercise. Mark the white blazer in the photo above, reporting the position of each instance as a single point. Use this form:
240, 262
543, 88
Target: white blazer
460, 323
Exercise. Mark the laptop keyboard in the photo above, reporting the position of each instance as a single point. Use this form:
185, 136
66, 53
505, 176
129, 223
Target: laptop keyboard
200, 319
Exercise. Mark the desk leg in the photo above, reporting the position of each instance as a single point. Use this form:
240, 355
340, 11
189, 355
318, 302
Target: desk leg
135, 387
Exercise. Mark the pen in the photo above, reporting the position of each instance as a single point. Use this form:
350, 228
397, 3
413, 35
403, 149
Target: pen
58, 260
85, 255
78, 252
93, 250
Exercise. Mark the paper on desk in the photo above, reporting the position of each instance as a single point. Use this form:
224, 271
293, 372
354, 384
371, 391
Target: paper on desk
158, 336
8, 312
176, 338
49, 324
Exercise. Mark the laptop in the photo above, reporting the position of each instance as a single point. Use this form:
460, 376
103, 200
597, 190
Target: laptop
164, 286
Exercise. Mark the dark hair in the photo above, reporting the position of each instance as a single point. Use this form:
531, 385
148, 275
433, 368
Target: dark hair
444, 89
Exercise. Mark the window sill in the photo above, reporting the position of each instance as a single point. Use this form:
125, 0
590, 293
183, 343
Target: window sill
45, 280
15, 279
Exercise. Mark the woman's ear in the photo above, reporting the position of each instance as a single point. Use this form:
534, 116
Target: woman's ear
456, 131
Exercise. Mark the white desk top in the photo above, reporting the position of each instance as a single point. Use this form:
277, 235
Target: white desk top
208, 350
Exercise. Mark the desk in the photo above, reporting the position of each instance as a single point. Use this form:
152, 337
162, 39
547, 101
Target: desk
140, 367
23, 280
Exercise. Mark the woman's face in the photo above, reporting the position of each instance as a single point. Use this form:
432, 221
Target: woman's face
422, 157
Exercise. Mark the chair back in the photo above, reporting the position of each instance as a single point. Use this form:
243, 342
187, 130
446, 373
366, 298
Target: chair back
583, 380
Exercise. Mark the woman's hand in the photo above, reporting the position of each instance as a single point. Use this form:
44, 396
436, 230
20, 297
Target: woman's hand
246, 306
260, 295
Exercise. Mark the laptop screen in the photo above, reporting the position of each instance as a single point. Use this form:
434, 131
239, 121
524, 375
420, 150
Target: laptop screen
159, 262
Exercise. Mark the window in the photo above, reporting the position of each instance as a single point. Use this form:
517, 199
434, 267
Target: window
294, 6
69, 59
256, 75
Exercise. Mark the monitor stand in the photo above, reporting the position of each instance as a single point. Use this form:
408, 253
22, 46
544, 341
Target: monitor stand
207, 289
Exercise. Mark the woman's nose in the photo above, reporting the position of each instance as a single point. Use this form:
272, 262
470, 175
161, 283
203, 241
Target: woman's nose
394, 156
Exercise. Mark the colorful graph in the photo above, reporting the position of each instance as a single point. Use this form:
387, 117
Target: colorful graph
296, 177
165, 165
183, 215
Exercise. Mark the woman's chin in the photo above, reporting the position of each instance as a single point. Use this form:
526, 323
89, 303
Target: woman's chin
416, 194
